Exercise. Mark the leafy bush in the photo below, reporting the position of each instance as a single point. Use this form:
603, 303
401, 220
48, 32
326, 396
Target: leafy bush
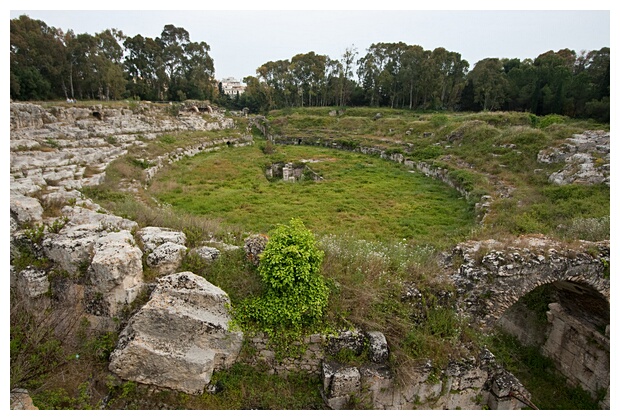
295, 295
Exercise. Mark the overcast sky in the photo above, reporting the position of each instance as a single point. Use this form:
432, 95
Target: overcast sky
242, 40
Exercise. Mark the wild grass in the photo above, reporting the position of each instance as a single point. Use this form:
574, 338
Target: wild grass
369, 281
360, 195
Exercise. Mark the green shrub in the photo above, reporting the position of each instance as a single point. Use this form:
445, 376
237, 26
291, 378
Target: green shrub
294, 295
35, 233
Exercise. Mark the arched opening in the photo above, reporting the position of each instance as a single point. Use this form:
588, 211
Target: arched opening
569, 323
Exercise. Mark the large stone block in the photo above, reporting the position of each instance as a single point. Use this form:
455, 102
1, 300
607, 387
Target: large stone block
116, 269
180, 337
26, 209
32, 283
72, 248
153, 236
377, 346
339, 384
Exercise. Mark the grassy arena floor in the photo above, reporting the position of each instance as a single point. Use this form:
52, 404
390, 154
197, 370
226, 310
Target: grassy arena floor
359, 195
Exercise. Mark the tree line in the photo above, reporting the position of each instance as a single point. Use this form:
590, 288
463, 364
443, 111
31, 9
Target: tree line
47, 63
398, 75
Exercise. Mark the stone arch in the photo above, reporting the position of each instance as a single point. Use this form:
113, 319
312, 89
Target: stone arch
495, 275
569, 323
586, 283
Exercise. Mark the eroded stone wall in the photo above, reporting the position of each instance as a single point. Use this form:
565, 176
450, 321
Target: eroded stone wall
580, 351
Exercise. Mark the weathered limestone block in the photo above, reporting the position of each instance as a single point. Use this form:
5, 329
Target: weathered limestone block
26, 209
339, 384
207, 253
254, 246
116, 270
71, 248
353, 340
99, 221
180, 337
153, 236
578, 349
32, 283
379, 383
377, 346
465, 374
166, 258
25, 186
24, 115
507, 393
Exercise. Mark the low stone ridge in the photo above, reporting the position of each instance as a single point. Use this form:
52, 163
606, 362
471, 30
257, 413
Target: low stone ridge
180, 337
464, 384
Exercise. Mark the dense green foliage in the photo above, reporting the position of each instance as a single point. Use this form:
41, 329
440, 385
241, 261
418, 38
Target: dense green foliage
47, 63
295, 294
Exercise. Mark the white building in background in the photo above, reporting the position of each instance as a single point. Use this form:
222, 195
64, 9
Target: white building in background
231, 86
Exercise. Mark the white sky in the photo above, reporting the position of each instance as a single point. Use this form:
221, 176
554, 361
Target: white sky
241, 40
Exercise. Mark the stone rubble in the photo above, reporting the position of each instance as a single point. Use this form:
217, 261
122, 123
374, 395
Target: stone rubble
207, 253
96, 258
586, 157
